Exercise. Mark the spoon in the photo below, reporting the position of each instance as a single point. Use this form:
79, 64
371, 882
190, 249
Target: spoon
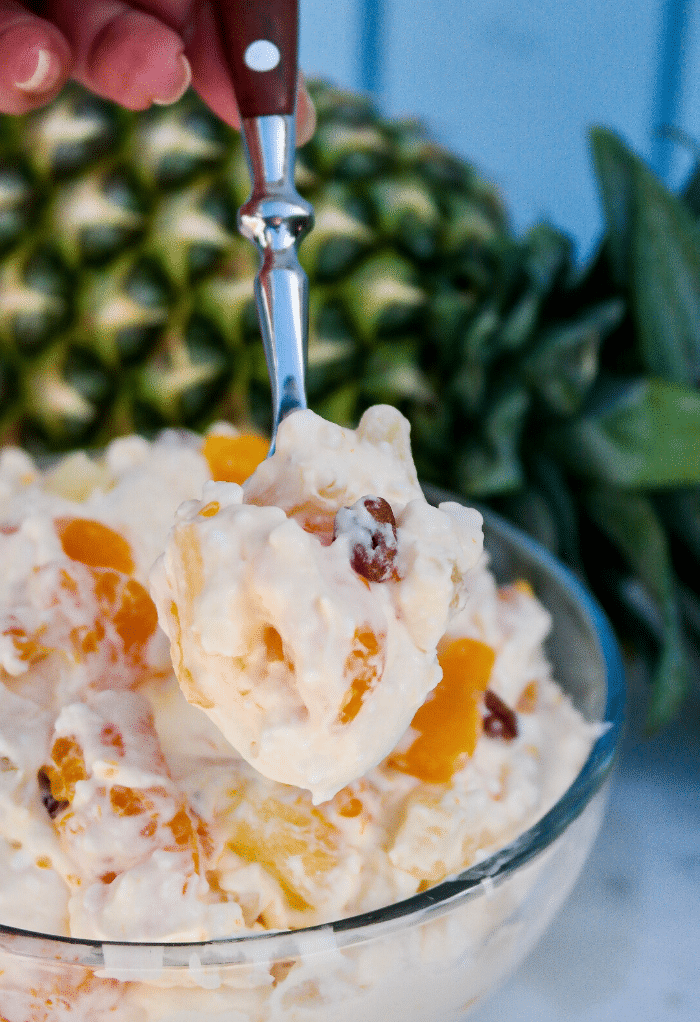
261, 43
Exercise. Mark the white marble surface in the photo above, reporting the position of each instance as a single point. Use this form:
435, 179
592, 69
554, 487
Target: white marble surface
626, 946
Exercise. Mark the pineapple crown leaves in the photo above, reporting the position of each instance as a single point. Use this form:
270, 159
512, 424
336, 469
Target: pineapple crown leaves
653, 250
632, 450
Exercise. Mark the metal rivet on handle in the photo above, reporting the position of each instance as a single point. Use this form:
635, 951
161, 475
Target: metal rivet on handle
262, 55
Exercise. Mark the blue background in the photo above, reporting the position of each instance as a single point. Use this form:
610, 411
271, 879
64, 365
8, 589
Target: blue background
514, 87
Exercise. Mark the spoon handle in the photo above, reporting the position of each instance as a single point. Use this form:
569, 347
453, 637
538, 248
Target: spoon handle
261, 41
260, 37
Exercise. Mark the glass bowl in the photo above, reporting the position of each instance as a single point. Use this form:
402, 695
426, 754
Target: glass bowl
429, 958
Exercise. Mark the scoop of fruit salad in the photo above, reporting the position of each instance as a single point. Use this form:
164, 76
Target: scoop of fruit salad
305, 608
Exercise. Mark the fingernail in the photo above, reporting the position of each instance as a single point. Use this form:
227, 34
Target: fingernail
187, 79
306, 123
45, 74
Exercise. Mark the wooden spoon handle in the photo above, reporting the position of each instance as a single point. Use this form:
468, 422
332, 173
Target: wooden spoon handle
261, 45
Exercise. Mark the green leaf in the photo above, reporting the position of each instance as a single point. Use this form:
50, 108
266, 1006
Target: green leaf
564, 365
680, 511
494, 466
691, 191
630, 522
665, 298
548, 256
670, 681
391, 374
520, 322
614, 168
653, 245
530, 510
550, 480
689, 603
648, 437
469, 378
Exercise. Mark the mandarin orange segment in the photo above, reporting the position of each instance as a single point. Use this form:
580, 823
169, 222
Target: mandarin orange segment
106, 588
317, 521
94, 544
67, 769
126, 801
363, 666
210, 509
527, 700
448, 724
28, 647
136, 618
112, 736
233, 458
274, 646
350, 807
184, 835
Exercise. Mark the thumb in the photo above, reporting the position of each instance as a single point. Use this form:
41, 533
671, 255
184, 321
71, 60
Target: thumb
35, 59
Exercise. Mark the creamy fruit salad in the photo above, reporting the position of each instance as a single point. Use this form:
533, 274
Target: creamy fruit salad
304, 609
339, 708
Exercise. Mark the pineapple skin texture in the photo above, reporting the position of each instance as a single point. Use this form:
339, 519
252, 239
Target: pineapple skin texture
126, 299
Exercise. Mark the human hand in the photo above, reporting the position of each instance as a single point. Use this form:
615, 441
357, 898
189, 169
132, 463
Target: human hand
132, 55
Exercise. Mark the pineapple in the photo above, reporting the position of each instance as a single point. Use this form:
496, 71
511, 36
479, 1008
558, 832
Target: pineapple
126, 303
126, 292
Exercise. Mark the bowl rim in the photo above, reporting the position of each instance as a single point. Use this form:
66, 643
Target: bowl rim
274, 944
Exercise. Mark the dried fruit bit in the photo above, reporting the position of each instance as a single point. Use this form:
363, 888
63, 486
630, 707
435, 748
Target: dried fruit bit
449, 723
233, 458
371, 525
53, 806
94, 544
499, 721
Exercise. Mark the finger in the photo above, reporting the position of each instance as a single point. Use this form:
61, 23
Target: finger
211, 77
123, 54
306, 113
35, 59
